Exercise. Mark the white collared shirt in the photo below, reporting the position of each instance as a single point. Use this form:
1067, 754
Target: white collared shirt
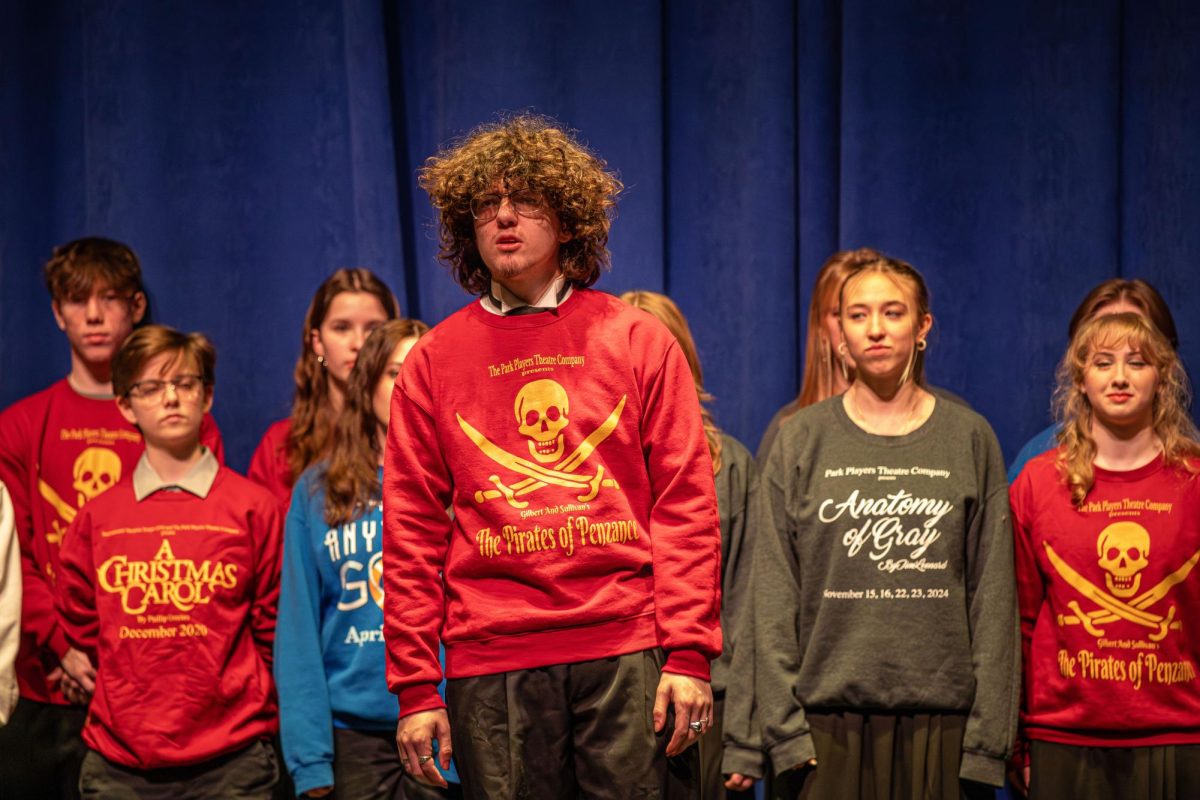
198, 481
510, 302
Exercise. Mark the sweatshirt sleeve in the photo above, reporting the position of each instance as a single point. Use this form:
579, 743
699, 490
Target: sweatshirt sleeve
992, 617
786, 736
210, 437
416, 492
10, 606
740, 724
37, 607
684, 526
1031, 591
305, 715
268, 549
76, 598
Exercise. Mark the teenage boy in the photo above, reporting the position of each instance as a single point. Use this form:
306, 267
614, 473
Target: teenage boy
170, 581
576, 586
60, 448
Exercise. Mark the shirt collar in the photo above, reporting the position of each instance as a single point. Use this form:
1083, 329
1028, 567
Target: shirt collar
198, 481
502, 302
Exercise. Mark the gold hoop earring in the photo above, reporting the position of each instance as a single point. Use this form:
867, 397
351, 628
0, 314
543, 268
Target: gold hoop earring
922, 344
841, 349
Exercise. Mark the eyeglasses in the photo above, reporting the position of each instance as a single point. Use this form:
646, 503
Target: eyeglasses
186, 387
526, 202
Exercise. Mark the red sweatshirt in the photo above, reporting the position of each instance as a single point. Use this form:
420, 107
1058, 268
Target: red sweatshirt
175, 599
569, 444
58, 449
269, 466
1109, 597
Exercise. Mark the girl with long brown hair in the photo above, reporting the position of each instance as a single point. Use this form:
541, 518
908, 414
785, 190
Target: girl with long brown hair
1107, 540
743, 511
347, 306
1113, 296
828, 370
335, 721
884, 656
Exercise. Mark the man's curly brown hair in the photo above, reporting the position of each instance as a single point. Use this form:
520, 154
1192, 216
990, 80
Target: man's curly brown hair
532, 151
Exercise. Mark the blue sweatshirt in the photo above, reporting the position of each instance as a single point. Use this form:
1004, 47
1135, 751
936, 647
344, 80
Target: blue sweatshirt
329, 654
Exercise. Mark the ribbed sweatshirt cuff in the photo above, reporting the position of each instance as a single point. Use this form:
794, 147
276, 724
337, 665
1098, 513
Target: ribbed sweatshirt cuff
688, 662
982, 769
419, 697
793, 753
312, 776
742, 760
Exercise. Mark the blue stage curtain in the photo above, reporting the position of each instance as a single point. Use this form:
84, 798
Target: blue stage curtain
1016, 153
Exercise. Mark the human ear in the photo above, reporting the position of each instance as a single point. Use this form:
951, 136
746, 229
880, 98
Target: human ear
58, 317
317, 345
126, 410
137, 307
208, 398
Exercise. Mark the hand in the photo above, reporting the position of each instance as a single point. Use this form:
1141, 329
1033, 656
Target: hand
79, 667
414, 738
739, 783
319, 791
72, 690
693, 702
1018, 776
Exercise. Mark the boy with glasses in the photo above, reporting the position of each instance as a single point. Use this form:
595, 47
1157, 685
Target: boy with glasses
59, 449
576, 585
170, 581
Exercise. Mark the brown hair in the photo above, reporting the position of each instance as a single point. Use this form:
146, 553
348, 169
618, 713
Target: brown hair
904, 274
151, 341
523, 150
311, 415
78, 267
819, 353
665, 310
1172, 424
1136, 292
351, 479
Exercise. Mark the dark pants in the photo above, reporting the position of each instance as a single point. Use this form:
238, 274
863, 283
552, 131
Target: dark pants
41, 752
1164, 772
246, 774
711, 752
366, 766
882, 756
567, 731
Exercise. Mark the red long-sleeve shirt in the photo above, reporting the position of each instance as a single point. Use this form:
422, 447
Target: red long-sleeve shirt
1109, 598
175, 598
59, 449
269, 466
570, 446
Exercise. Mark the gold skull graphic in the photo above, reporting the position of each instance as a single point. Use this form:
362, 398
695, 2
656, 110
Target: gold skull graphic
96, 470
541, 410
1124, 549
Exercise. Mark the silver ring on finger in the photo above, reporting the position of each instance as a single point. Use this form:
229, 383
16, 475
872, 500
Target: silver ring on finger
423, 760
697, 726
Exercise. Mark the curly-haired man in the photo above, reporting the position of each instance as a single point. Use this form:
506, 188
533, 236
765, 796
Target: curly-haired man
575, 587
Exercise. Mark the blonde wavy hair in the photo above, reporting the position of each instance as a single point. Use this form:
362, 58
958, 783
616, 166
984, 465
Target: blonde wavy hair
664, 309
525, 150
1073, 412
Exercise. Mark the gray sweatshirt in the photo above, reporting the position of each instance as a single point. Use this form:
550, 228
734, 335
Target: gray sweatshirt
745, 514
886, 586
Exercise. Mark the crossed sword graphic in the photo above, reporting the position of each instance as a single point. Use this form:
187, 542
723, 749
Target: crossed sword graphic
1112, 609
537, 476
64, 509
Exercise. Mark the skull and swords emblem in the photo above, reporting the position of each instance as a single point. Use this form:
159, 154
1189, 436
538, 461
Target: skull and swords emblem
1123, 549
95, 471
541, 409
